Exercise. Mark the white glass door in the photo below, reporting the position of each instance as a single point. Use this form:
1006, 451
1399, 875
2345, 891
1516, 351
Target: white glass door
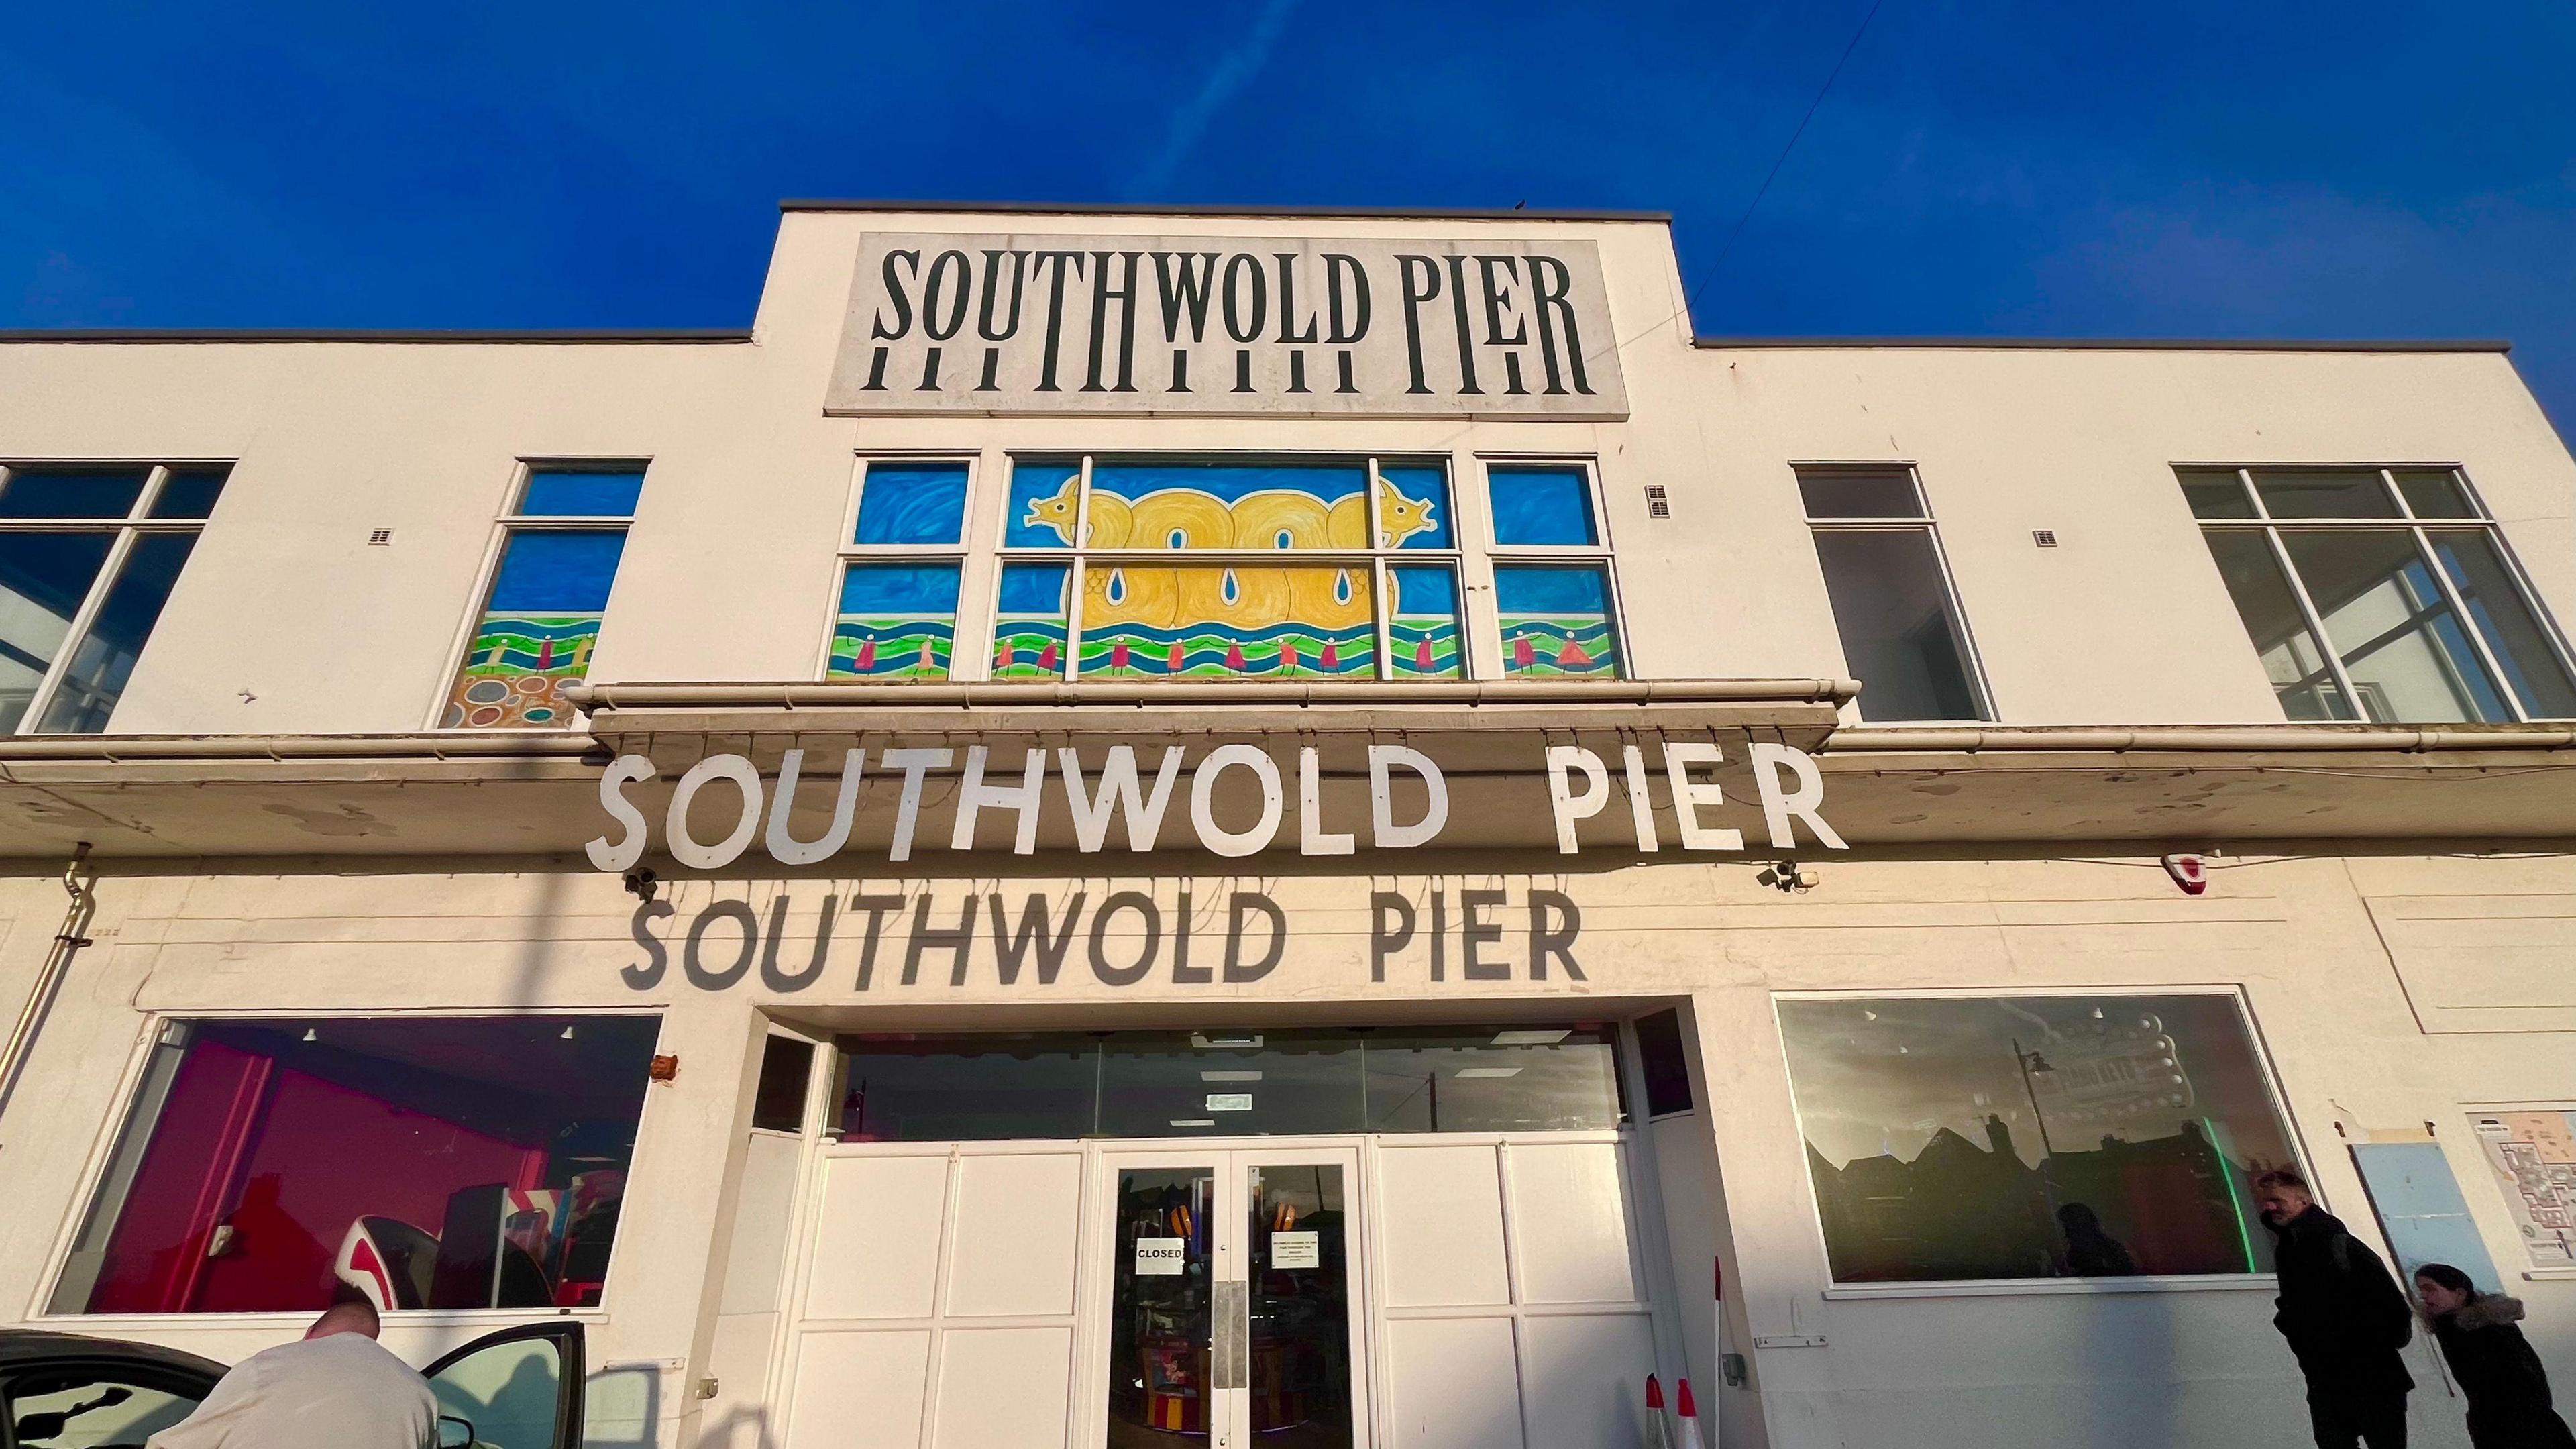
1234, 1299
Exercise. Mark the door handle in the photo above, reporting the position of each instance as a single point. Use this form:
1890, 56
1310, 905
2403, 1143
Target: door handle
1229, 1348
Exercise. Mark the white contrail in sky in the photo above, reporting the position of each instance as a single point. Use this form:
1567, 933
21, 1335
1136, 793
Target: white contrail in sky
1224, 78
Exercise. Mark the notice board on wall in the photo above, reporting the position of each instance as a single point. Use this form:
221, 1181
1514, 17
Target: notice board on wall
2533, 1153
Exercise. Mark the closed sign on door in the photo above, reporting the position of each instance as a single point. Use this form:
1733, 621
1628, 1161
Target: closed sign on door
1159, 1257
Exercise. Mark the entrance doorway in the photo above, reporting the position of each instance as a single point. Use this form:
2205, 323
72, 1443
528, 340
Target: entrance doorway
1234, 1302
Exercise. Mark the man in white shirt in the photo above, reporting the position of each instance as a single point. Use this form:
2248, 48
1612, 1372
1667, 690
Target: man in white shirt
338, 1389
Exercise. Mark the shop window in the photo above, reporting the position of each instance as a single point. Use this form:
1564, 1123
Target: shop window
1231, 1084
1903, 634
2077, 1136
902, 560
1090, 586
428, 1162
541, 613
88, 556
2381, 594
1553, 598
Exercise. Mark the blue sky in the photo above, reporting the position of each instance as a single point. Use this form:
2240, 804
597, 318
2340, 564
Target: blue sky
2192, 168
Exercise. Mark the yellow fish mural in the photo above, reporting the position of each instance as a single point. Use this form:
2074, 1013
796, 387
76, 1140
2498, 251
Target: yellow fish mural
1322, 596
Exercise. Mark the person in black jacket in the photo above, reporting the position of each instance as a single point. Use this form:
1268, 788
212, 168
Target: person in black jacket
2345, 1317
2507, 1389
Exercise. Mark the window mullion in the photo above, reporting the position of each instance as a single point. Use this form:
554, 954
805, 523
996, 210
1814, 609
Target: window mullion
1078, 580
82, 622
1379, 601
2316, 626
2469, 625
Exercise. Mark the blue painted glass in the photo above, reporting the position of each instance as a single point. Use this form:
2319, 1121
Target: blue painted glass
1541, 506
1414, 510
912, 503
897, 621
1029, 624
71, 492
1045, 500
1555, 622
1422, 623
557, 571
581, 493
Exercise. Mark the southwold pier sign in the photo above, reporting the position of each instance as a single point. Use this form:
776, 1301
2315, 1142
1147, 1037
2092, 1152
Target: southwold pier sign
1270, 326
1136, 799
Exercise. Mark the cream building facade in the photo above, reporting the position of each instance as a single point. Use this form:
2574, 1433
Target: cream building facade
1675, 861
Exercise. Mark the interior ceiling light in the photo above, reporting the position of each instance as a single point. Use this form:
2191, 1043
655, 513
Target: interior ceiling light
1464, 1072
1229, 1076
311, 1035
1194, 1121
1532, 1038
1225, 1041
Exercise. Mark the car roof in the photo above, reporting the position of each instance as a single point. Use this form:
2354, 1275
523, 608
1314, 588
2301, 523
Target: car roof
17, 1345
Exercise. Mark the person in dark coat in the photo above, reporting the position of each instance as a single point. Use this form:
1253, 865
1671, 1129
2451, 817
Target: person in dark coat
2507, 1389
2345, 1317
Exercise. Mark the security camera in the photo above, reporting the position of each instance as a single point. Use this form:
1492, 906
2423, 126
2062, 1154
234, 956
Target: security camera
1787, 876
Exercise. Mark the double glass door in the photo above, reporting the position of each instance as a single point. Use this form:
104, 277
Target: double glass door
1233, 1299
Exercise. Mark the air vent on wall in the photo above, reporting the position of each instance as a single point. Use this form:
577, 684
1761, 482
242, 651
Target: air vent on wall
380, 538
1657, 504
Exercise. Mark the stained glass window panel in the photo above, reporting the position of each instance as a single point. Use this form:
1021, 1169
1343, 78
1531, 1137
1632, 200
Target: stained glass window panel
1029, 621
1413, 508
1542, 506
1046, 499
537, 629
1228, 622
912, 503
1556, 622
897, 621
1194, 506
1422, 623
582, 493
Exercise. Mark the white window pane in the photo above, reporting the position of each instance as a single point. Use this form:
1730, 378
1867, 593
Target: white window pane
2386, 617
2292, 661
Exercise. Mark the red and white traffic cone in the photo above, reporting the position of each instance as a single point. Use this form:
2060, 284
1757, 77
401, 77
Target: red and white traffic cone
1655, 1412
1690, 1419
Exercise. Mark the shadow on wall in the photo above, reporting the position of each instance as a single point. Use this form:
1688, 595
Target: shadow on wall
745, 1426
622, 1407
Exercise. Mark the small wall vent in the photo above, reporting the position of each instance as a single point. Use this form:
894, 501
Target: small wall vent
1657, 504
380, 538
2044, 537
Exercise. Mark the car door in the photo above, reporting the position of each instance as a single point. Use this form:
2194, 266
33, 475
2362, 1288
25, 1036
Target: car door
90, 1395
519, 1388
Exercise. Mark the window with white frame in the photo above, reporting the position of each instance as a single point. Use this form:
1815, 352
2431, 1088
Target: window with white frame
902, 558
1229, 567
89, 553
2380, 593
1903, 635
542, 608
1555, 604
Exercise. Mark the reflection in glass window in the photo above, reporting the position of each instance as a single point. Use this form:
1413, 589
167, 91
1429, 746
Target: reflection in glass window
108, 579
1226, 615
2424, 618
1900, 630
1556, 621
896, 621
2033, 1136
460, 1162
1221, 1083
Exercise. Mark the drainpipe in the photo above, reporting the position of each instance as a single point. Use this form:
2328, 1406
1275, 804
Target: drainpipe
58, 961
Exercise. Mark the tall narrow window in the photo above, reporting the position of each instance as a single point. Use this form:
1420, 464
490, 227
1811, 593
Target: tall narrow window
904, 554
1553, 600
88, 556
1160, 568
2383, 594
541, 615
1902, 632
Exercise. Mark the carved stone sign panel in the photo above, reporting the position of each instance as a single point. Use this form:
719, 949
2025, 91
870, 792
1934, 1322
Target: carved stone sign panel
1260, 326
